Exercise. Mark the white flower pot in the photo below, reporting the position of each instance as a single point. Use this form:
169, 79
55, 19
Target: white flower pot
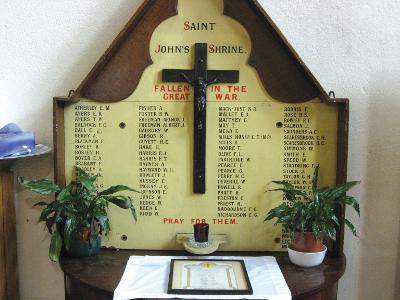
307, 259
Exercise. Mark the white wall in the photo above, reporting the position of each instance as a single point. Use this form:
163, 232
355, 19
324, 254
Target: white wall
47, 47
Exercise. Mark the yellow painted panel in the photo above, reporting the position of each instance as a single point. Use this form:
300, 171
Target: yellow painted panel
146, 141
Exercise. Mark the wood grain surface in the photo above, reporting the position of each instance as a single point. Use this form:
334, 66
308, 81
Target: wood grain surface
59, 138
117, 74
282, 72
8, 236
342, 158
97, 277
3, 273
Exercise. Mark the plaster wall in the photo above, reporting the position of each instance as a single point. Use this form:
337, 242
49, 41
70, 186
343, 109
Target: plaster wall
47, 47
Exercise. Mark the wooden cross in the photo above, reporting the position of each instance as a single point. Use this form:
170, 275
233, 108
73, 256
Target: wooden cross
200, 78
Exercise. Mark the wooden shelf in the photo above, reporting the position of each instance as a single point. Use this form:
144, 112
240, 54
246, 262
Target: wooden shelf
95, 278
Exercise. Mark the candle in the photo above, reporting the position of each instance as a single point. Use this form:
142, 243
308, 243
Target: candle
201, 232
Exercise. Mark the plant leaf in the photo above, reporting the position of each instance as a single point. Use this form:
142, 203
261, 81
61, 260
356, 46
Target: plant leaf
133, 210
120, 201
316, 231
69, 231
315, 179
42, 203
333, 217
317, 201
65, 193
330, 230
352, 202
351, 227
43, 186
279, 212
286, 184
291, 194
116, 189
49, 224
104, 223
340, 189
55, 246
85, 179
94, 232
46, 212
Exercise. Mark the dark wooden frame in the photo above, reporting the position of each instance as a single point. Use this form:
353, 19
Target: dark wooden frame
284, 76
287, 79
341, 169
248, 291
341, 165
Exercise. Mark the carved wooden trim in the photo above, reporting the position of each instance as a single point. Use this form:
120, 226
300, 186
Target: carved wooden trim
118, 72
283, 74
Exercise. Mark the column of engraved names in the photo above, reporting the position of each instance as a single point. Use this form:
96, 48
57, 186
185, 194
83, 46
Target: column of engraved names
231, 176
89, 127
150, 160
155, 125
301, 139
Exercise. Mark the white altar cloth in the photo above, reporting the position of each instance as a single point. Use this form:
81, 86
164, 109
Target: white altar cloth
147, 277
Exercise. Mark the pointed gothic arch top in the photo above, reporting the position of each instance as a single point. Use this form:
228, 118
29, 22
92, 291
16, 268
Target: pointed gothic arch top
282, 72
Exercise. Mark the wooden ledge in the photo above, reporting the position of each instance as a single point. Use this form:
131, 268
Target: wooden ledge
102, 273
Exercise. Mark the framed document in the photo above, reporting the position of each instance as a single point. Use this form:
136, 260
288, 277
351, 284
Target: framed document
208, 277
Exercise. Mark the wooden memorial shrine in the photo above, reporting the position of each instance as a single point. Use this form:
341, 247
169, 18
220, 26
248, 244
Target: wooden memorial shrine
200, 104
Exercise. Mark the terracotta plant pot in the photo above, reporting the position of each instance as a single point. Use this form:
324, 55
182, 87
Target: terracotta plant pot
306, 242
83, 234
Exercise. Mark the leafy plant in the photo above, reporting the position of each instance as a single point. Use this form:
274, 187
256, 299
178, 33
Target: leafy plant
314, 212
78, 207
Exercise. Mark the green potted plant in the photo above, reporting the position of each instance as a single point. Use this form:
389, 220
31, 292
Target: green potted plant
77, 217
310, 216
